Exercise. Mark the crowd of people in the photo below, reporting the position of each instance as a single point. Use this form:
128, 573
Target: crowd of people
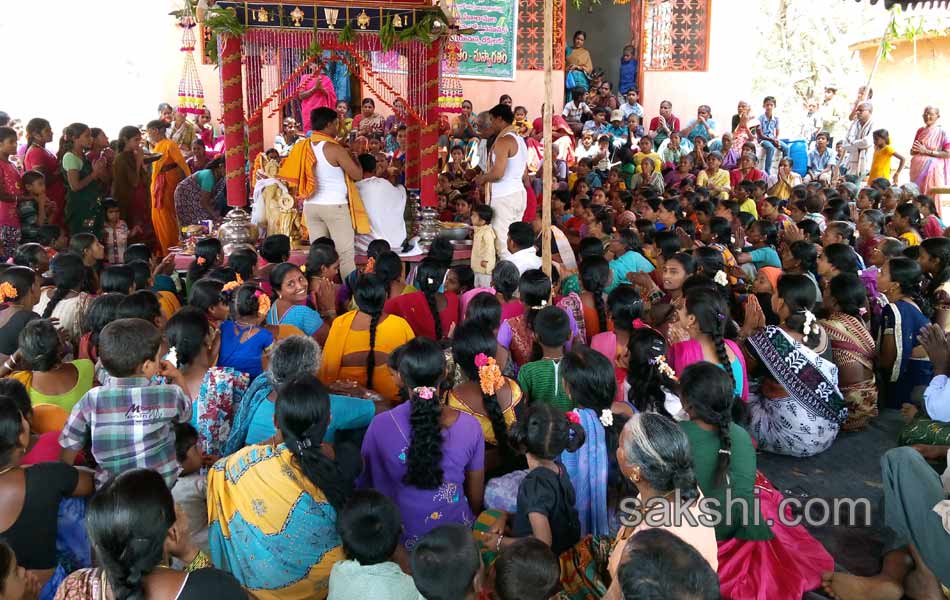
468, 428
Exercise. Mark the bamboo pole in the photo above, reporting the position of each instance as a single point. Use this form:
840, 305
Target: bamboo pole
547, 167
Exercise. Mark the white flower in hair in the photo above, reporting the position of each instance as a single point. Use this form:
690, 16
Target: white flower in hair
721, 278
810, 325
172, 356
606, 417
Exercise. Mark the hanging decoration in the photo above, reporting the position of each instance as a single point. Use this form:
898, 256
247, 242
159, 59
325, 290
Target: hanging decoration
191, 97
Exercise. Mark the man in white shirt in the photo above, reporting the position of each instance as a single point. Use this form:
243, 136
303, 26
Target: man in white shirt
385, 205
509, 165
859, 143
521, 246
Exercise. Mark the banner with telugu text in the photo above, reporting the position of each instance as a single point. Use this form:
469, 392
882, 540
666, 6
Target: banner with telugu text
489, 53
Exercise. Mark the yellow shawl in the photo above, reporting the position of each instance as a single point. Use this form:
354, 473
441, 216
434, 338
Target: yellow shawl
298, 170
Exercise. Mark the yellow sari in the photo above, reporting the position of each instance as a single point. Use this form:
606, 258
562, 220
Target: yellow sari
391, 333
167, 173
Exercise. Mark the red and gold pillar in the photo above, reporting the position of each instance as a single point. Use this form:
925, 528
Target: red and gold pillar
429, 140
232, 96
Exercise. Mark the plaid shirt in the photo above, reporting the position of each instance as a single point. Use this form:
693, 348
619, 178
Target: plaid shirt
129, 423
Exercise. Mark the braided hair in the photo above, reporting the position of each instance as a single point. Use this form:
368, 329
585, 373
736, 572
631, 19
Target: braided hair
798, 293
303, 416
707, 392
625, 305
906, 272
849, 294
646, 381
535, 290
69, 272
128, 521
428, 280
471, 339
370, 296
68, 141
388, 268
711, 313
207, 254
545, 432
591, 383
595, 275
422, 366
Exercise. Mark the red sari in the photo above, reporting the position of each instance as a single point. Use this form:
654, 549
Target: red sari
415, 310
41, 159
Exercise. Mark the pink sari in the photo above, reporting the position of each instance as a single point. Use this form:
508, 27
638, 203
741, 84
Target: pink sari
683, 354
929, 172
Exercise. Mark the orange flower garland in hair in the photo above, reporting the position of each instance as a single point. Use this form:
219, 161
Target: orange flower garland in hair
7, 292
230, 286
490, 378
370, 265
263, 303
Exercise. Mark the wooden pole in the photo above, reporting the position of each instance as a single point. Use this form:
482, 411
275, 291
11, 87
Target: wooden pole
547, 167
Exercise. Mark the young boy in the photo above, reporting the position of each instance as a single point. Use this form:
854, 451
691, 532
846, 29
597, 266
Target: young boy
10, 194
820, 161
369, 527
115, 232
628, 70
463, 210
525, 570
34, 209
128, 422
446, 564
769, 133
483, 245
743, 195
191, 490
541, 380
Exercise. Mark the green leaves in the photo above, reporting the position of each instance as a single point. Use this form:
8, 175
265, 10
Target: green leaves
387, 34
346, 34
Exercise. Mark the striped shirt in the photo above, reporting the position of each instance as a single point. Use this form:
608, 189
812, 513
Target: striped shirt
129, 423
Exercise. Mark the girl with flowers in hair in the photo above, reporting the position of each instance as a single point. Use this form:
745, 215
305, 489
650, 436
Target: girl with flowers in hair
426, 456
484, 392
289, 308
19, 293
798, 409
244, 339
650, 380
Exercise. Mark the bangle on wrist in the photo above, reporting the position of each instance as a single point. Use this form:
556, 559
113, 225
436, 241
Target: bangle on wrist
498, 543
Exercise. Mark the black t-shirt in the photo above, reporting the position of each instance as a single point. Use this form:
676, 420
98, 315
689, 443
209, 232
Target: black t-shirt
10, 332
33, 535
549, 493
211, 583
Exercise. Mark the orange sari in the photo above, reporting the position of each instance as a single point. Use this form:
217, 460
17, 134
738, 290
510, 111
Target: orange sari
167, 173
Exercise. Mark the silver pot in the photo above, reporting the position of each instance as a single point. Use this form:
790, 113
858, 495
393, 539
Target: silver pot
454, 233
237, 230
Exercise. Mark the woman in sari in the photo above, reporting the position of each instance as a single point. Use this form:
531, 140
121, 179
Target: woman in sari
930, 154
901, 355
360, 341
182, 132
272, 509
167, 172
290, 286
852, 347
759, 556
130, 520
579, 64
798, 409
625, 308
38, 158
83, 179
194, 196
130, 185
429, 312
290, 358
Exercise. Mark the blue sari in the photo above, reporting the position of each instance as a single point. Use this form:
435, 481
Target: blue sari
904, 320
587, 469
302, 317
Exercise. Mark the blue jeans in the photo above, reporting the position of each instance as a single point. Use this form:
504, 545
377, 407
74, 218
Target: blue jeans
770, 153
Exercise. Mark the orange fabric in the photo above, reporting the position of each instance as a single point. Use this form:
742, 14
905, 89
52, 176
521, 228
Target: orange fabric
169, 304
391, 333
164, 181
592, 322
298, 170
48, 417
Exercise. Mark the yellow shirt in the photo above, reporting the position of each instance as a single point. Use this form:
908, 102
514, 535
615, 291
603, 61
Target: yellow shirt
749, 207
657, 161
911, 238
881, 163
483, 249
719, 180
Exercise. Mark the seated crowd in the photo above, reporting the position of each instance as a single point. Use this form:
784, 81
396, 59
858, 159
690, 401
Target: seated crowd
475, 429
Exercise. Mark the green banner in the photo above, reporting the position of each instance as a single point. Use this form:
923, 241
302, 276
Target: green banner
489, 53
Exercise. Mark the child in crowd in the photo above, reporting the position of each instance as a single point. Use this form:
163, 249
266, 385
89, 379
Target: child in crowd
763, 237
244, 340
191, 489
34, 208
446, 564
128, 422
115, 232
883, 153
541, 380
483, 245
369, 527
10, 194
525, 570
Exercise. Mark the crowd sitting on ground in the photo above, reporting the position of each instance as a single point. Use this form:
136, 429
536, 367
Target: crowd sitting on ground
273, 425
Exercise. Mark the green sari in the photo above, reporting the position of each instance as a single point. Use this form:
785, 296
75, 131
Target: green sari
83, 210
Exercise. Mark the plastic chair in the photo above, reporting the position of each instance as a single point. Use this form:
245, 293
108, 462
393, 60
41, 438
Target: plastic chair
48, 417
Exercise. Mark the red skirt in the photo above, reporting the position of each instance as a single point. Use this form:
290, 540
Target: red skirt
783, 568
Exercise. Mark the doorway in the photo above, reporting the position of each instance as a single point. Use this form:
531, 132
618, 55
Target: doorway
608, 31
